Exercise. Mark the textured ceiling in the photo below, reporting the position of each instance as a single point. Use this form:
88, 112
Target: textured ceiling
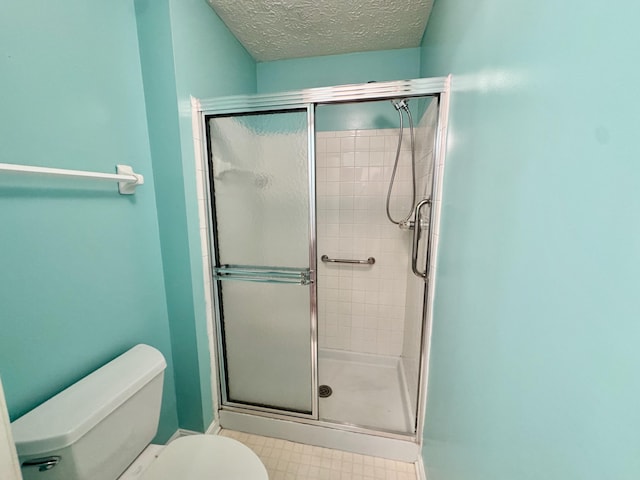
278, 29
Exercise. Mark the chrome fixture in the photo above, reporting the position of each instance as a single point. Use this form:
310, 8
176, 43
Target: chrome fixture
418, 224
409, 223
42, 464
400, 104
257, 273
227, 168
404, 223
368, 261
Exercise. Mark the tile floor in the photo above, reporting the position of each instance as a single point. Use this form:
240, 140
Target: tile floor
295, 461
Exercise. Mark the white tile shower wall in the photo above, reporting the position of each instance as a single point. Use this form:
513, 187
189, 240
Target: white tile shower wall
361, 308
415, 286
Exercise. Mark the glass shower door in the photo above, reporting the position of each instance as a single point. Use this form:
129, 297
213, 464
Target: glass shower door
262, 220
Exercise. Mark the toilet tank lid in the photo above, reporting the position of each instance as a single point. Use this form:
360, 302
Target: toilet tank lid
66, 417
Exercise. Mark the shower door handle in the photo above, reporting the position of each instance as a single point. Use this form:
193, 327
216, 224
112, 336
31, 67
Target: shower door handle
417, 229
261, 274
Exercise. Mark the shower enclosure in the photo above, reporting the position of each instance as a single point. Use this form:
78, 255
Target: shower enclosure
322, 217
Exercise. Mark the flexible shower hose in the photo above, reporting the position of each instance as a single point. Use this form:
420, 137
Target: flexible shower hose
395, 166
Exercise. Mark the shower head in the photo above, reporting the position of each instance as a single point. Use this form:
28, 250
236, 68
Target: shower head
223, 168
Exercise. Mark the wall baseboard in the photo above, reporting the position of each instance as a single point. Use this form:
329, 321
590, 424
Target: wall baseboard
213, 429
177, 434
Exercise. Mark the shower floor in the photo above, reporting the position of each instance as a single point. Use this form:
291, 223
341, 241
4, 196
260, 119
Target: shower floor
368, 391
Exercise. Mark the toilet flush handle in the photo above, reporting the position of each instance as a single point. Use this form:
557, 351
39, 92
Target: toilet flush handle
42, 464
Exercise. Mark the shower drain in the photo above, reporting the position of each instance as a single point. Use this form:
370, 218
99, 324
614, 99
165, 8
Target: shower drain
324, 391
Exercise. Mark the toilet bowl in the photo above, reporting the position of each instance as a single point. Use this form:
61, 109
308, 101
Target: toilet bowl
96, 428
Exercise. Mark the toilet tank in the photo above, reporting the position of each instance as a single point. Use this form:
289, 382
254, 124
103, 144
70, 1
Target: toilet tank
94, 429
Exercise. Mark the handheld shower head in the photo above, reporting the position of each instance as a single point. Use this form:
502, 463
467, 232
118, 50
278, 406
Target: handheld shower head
400, 105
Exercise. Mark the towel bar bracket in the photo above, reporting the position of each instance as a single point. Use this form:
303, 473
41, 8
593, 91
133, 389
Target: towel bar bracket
128, 187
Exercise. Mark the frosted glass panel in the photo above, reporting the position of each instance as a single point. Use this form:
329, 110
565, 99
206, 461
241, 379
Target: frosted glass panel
261, 183
259, 166
268, 345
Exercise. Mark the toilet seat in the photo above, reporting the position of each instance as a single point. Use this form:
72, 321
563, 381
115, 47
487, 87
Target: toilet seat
206, 457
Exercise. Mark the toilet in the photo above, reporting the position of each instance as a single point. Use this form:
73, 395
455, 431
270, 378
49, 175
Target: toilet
98, 426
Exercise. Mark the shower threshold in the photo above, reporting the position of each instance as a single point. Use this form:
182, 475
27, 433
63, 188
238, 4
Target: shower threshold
322, 434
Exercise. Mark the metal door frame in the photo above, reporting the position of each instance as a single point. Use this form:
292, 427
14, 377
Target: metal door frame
309, 99
222, 361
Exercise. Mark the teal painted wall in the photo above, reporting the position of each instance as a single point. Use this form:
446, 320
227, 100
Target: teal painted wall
535, 359
283, 75
186, 51
81, 275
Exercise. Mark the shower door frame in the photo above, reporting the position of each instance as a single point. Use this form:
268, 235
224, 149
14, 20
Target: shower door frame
308, 99
223, 390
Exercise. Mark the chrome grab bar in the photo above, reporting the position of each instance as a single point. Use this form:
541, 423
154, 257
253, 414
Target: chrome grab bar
416, 238
368, 261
